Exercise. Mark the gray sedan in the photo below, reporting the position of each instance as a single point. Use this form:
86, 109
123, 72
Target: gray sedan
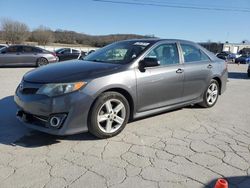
120, 82
23, 55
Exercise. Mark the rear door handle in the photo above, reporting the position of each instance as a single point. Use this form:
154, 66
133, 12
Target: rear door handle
210, 66
179, 71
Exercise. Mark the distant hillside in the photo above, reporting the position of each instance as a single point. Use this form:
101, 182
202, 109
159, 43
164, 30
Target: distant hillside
74, 38
71, 37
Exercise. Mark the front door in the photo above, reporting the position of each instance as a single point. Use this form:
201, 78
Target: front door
162, 85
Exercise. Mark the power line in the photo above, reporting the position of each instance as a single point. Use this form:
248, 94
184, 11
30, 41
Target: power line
190, 4
175, 6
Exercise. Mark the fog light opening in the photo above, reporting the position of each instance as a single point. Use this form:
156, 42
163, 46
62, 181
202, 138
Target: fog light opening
55, 121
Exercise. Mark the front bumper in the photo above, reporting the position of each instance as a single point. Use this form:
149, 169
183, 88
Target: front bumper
35, 111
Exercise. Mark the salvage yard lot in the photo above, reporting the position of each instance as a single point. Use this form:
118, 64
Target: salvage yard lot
190, 147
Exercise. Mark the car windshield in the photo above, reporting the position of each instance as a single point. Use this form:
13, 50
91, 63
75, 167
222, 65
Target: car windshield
120, 52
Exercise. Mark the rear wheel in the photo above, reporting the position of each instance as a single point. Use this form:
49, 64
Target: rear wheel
42, 61
211, 94
109, 115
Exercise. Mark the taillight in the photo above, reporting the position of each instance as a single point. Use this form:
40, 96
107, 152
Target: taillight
54, 54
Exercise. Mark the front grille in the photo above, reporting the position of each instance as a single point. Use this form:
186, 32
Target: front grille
28, 88
29, 91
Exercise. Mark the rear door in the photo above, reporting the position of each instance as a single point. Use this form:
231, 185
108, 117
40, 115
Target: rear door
162, 85
29, 55
197, 71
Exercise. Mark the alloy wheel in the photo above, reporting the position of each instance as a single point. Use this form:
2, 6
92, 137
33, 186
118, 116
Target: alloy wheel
42, 62
111, 116
212, 94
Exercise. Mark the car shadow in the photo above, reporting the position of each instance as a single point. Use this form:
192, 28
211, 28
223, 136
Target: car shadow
234, 181
13, 132
237, 75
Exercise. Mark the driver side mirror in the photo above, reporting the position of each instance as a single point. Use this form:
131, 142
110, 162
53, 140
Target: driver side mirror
148, 62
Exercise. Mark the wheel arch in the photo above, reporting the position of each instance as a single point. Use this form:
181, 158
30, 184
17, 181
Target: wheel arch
123, 92
41, 57
219, 82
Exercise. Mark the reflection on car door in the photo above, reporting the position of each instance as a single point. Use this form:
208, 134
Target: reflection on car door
197, 70
162, 85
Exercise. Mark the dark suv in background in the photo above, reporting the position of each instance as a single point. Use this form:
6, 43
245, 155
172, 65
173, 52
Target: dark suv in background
24, 55
68, 53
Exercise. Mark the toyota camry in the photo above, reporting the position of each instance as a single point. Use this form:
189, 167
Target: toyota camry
120, 82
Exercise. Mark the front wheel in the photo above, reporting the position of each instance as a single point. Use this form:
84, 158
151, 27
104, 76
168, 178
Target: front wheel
211, 94
109, 115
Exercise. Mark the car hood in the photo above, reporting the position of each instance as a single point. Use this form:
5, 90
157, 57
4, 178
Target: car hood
69, 71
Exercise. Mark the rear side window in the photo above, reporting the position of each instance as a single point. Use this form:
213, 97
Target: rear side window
27, 49
193, 54
75, 51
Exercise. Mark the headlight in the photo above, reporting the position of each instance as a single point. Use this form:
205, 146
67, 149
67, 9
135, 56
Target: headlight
52, 90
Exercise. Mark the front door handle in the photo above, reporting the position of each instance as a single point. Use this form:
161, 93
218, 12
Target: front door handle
179, 71
210, 66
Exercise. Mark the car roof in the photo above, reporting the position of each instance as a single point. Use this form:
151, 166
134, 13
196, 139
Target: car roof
23, 45
158, 40
155, 40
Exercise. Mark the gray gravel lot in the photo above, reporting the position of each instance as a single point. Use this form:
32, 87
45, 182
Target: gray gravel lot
190, 147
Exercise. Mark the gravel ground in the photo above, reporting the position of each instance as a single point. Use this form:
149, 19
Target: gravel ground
190, 147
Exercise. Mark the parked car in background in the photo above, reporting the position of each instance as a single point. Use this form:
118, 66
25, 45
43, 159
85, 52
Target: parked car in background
244, 59
23, 55
244, 51
227, 56
117, 83
65, 54
3, 45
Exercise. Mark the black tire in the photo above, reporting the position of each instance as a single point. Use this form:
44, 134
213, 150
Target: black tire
94, 126
42, 61
205, 102
248, 74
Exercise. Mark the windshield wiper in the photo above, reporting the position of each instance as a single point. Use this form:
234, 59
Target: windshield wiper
96, 60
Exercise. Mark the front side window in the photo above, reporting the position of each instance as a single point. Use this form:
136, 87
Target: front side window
193, 54
167, 54
66, 51
13, 49
63, 50
119, 53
